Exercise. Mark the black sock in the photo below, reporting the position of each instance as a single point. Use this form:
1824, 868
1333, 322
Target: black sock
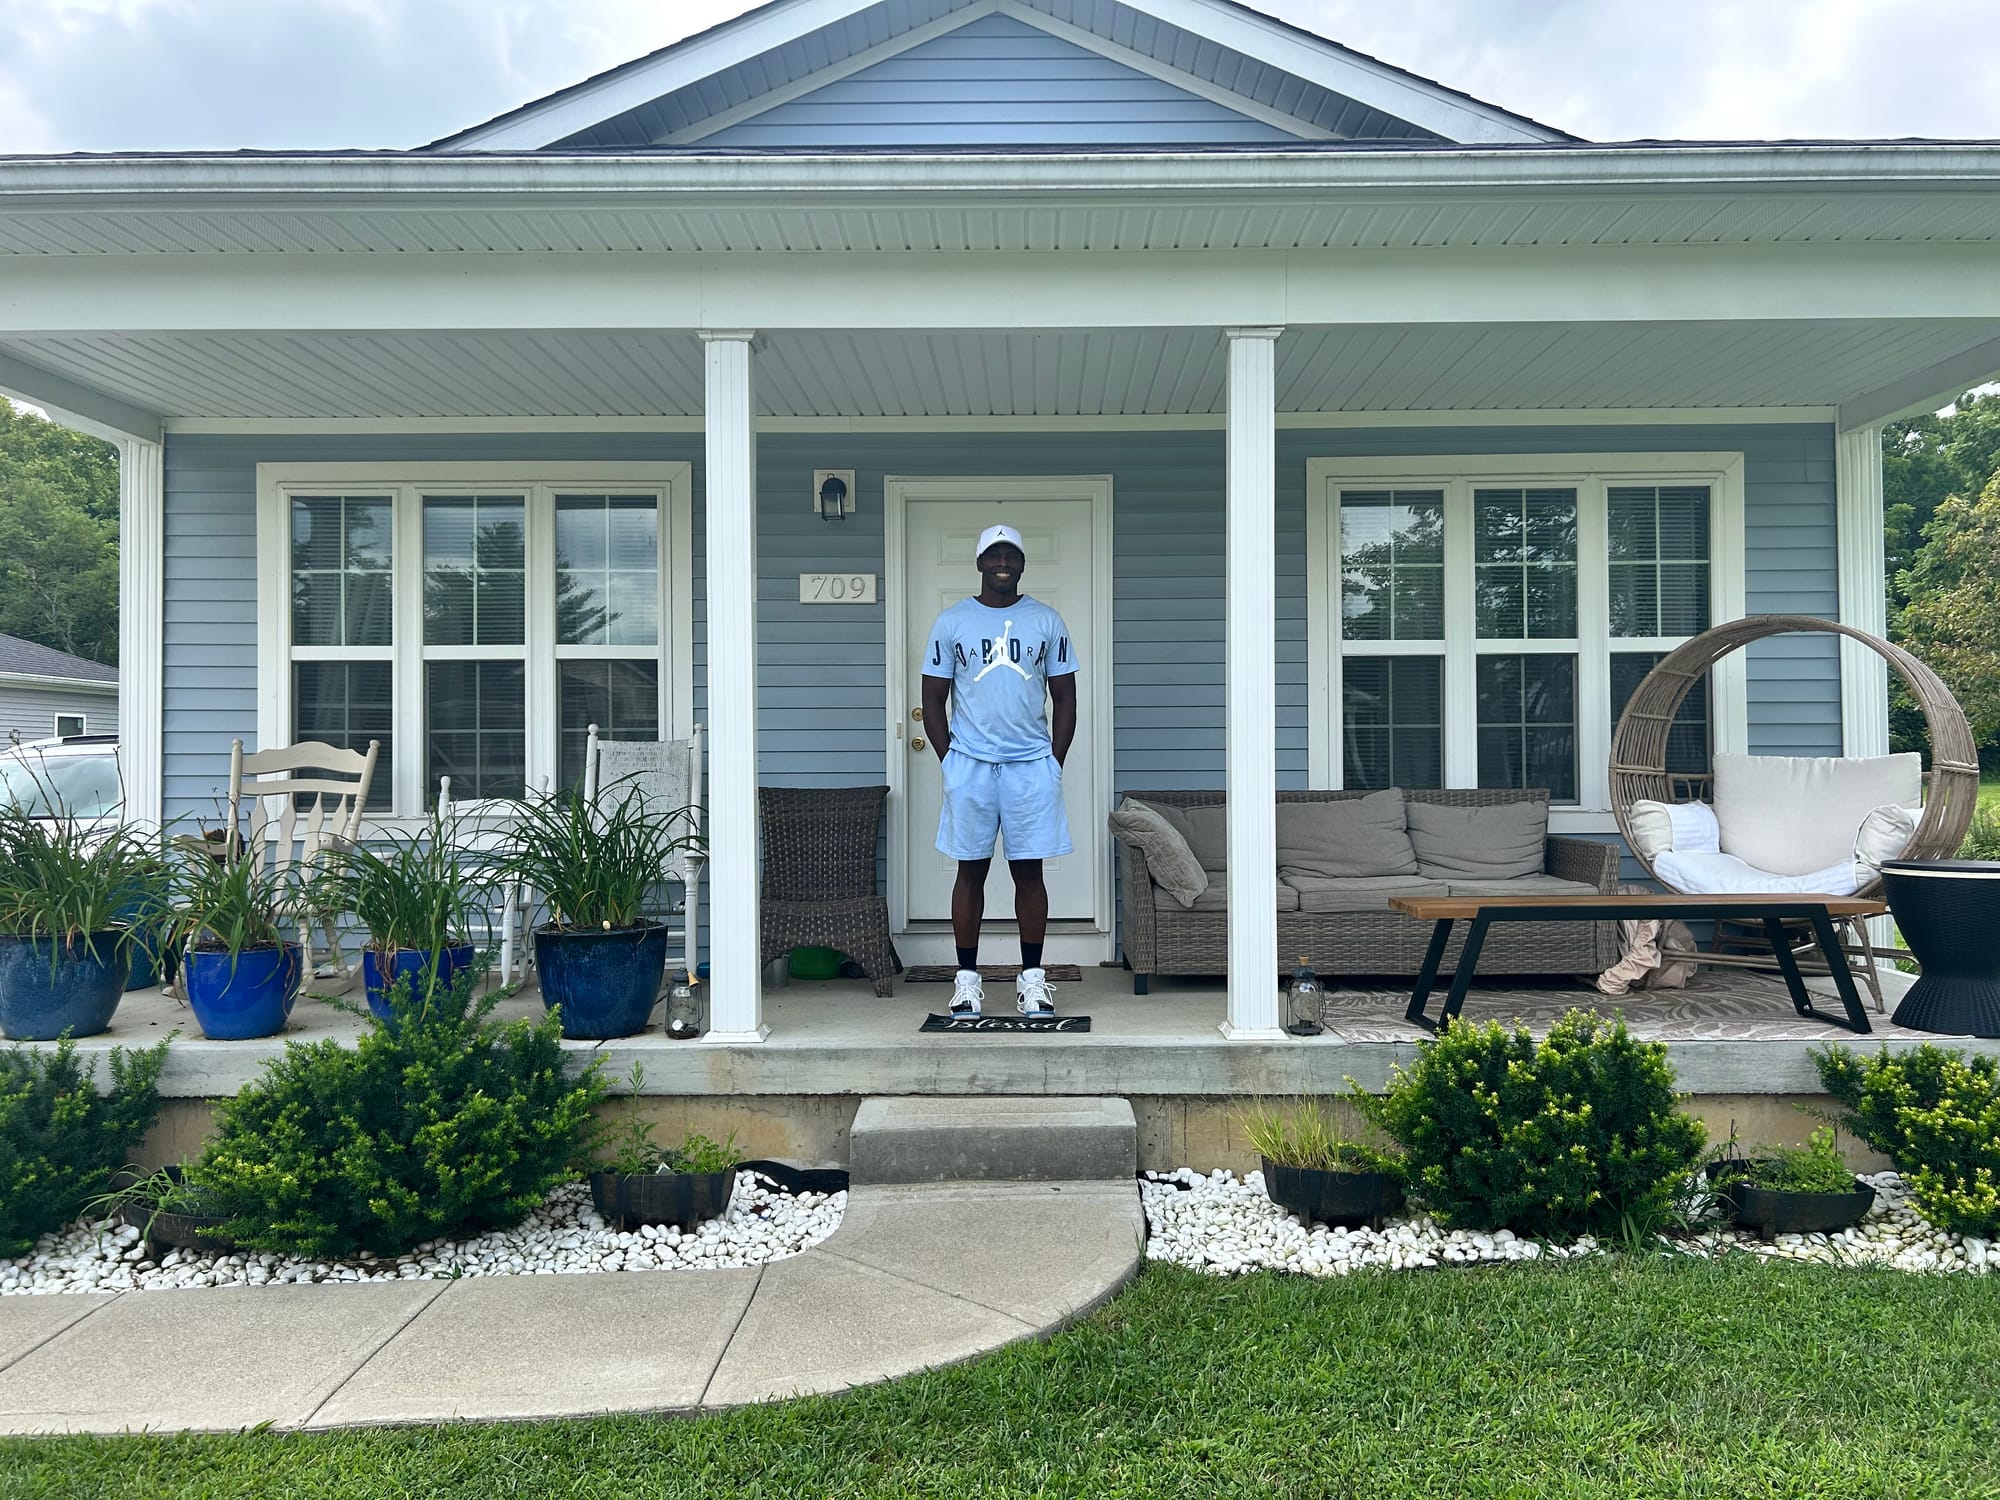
968, 958
1031, 955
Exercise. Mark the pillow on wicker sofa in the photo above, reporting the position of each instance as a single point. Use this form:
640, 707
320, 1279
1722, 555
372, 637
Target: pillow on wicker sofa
1346, 838
1168, 858
1495, 842
1208, 835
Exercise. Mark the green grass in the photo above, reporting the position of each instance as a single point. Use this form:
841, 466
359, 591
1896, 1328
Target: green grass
1989, 791
1617, 1379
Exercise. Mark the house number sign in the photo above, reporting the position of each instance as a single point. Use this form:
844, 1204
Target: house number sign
836, 588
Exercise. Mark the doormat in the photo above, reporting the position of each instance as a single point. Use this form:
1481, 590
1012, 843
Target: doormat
1001, 1025
990, 973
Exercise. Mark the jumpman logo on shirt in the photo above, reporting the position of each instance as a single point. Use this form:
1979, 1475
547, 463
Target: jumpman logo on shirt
1000, 658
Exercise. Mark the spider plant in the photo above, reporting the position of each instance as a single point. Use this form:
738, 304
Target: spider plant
411, 891
225, 905
595, 865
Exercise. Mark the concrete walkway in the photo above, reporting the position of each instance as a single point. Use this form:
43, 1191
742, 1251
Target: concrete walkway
915, 1277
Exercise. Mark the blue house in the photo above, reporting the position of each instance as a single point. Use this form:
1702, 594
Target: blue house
1260, 341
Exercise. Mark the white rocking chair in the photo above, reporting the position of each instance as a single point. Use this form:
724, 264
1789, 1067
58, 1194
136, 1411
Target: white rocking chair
486, 826
668, 775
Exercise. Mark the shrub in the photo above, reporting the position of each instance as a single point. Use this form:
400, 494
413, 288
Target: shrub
1935, 1113
1579, 1135
1982, 835
60, 1139
440, 1122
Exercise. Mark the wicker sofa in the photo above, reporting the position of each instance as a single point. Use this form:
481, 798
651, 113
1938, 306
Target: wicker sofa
1365, 937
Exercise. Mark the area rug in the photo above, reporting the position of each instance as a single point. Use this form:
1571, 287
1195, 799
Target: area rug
991, 973
1003, 1025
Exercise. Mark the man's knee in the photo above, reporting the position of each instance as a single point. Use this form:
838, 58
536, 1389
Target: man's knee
973, 872
1027, 873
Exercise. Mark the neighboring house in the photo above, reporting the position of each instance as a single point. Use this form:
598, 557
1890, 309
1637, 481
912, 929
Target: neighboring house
45, 693
1364, 432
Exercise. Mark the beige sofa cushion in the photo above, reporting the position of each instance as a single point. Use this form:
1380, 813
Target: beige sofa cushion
1796, 814
1168, 859
1524, 885
1349, 838
1216, 898
1479, 843
1208, 836
1357, 893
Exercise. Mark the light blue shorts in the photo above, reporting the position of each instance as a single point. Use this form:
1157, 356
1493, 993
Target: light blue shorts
1022, 799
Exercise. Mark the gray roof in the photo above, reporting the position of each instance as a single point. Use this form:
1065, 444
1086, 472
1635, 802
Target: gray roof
31, 660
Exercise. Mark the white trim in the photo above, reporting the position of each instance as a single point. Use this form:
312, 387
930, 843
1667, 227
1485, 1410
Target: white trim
1923, 390
1591, 474
406, 483
1864, 595
75, 404
82, 723
142, 629
1097, 700
63, 684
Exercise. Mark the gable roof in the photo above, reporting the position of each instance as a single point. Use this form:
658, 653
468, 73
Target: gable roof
1263, 79
21, 658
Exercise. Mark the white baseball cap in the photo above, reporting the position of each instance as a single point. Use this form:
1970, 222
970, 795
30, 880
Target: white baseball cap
993, 535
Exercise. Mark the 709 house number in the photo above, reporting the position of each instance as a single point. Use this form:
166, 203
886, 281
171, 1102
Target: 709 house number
836, 588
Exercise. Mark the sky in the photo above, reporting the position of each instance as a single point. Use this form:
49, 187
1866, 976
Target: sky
158, 75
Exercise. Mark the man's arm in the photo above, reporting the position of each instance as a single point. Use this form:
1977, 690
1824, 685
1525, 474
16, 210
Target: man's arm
1062, 728
936, 691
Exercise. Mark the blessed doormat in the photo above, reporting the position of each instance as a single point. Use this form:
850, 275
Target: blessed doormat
990, 973
1002, 1025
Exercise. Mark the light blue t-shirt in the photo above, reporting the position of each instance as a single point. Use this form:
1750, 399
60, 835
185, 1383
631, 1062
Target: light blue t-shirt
999, 662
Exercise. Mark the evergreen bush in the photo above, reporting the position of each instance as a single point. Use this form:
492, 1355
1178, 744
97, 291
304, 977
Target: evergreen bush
1581, 1134
440, 1122
60, 1139
1935, 1113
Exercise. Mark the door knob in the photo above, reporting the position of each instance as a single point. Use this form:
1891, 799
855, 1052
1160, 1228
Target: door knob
917, 743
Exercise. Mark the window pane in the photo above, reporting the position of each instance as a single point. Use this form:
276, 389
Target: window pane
348, 704
1660, 559
341, 554
1688, 736
1524, 563
1527, 723
475, 570
607, 570
622, 698
1392, 565
475, 716
1393, 710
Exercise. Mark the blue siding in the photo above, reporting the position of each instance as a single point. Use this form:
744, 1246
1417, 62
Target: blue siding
821, 674
997, 81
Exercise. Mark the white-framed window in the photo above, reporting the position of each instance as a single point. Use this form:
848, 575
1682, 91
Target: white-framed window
474, 618
1481, 620
68, 724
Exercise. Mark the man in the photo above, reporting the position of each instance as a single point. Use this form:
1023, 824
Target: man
1001, 658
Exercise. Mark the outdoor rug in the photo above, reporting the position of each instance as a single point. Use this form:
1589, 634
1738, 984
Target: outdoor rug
1719, 1005
1003, 1025
990, 973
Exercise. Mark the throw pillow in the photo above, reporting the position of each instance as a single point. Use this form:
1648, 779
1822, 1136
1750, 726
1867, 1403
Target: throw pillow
1168, 859
1352, 836
1725, 874
1208, 836
1798, 814
1486, 843
1885, 834
1688, 827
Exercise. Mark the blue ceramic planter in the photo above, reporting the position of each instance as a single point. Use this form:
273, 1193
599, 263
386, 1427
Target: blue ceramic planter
254, 1000
77, 994
408, 963
605, 982
149, 953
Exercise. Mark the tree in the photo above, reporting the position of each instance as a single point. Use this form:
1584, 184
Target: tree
1924, 459
58, 536
1952, 617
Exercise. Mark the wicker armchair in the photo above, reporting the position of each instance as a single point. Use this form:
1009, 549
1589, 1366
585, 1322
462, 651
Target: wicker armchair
819, 876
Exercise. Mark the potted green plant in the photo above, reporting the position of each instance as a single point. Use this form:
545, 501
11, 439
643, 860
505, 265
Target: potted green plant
643, 1182
1313, 1171
1792, 1189
168, 1211
412, 895
240, 972
72, 895
602, 960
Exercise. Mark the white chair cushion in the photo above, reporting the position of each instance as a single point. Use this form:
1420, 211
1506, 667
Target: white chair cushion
1885, 834
1800, 814
1687, 826
1726, 875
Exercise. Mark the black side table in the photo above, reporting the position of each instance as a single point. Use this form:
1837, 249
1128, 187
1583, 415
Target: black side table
1948, 911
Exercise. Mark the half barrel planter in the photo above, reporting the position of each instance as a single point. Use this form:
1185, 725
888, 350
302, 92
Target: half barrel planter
49, 986
605, 982
1345, 1199
682, 1199
1772, 1212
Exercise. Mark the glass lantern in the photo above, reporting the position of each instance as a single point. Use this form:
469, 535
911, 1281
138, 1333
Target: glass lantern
1303, 1000
683, 1008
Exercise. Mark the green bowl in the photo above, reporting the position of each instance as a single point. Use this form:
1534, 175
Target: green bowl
816, 963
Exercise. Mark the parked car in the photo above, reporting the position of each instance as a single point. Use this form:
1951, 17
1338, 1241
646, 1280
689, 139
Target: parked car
75, 776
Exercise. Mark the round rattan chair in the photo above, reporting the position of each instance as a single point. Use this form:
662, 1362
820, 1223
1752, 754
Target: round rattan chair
1639, 743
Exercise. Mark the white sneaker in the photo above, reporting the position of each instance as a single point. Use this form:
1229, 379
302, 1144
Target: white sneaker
1032, 995
967, 995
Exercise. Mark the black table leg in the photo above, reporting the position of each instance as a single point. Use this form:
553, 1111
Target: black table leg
1843, 977
1781, 949
1468, 960
1427, 976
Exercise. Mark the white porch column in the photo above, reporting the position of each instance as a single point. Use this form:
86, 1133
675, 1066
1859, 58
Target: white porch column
1864, 593
142, 545
736, 999
1251, 698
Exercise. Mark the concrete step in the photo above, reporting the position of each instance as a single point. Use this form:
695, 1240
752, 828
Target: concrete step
982, 1138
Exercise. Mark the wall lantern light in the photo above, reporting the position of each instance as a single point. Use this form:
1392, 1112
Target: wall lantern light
833, 493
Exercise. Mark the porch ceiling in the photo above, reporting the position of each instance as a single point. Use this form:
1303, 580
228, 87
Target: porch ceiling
1072, 372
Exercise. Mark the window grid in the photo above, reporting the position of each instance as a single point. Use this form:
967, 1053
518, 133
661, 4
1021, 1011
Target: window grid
1392, 565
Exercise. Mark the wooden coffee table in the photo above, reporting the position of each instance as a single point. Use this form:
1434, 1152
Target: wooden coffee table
1772, 911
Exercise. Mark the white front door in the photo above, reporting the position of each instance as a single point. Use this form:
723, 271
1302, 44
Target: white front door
940, 532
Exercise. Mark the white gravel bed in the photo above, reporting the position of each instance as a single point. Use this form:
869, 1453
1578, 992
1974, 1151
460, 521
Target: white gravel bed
564, 1237
1225, 1225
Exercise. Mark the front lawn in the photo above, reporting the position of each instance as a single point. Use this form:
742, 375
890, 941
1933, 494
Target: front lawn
1613, 1378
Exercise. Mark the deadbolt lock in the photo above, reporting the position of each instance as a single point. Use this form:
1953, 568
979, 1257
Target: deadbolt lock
917, 714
